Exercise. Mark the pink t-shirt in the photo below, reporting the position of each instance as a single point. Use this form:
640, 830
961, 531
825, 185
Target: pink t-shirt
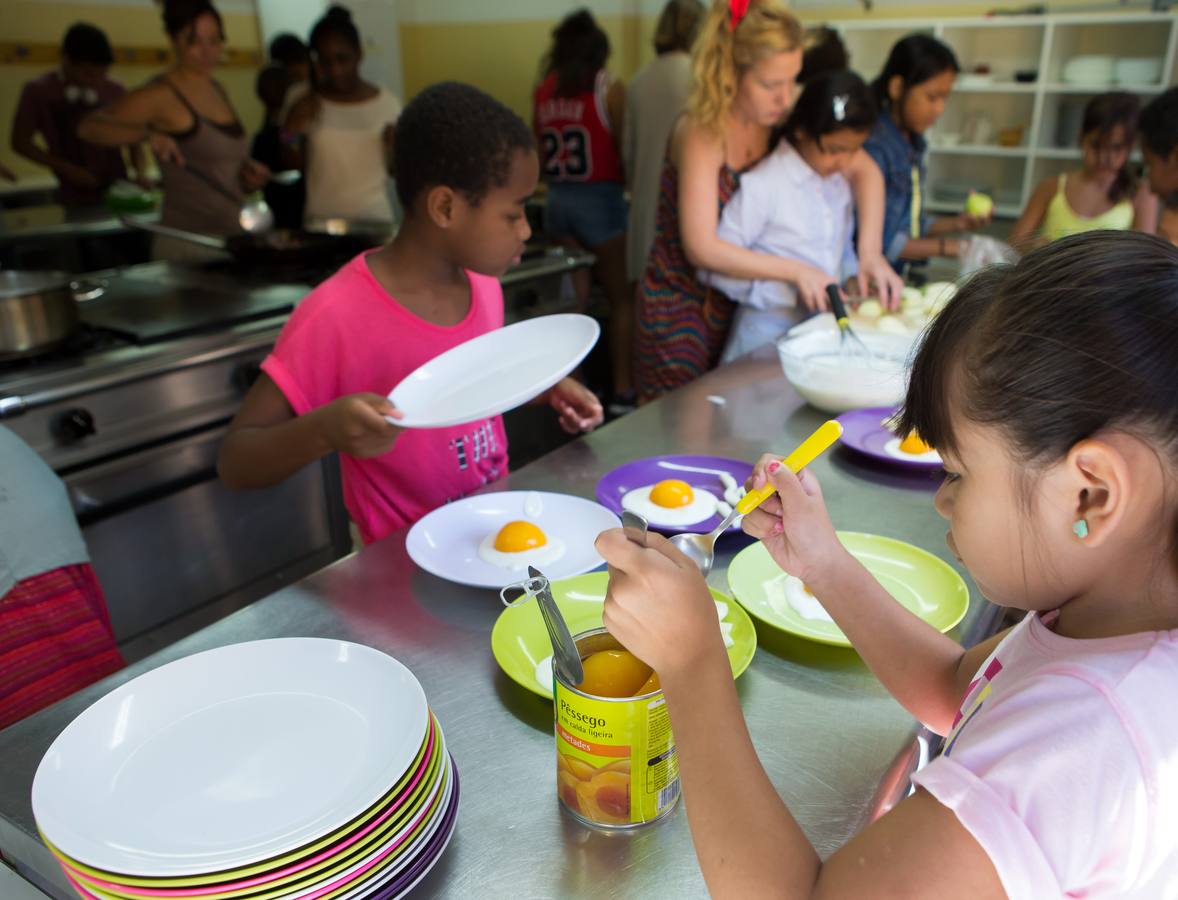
1063, 764
349, 336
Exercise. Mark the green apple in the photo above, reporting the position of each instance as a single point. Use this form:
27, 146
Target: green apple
980, 205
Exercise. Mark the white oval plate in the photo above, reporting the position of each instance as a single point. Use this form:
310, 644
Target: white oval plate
229, 757
446, 542
494, 372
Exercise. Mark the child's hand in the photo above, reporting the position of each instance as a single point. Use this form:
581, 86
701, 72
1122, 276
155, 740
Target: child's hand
658, 604
877, 271
793, 524
578, 408
811, 283
356, 425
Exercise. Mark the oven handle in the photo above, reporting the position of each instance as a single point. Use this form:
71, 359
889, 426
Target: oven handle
17, 404
89, 510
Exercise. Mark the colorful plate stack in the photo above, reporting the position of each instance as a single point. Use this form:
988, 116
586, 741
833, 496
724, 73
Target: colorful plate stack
289, 768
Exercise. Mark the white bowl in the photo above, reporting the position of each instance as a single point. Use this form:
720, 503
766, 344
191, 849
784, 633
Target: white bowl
1138, 70
1095, 70
836, 380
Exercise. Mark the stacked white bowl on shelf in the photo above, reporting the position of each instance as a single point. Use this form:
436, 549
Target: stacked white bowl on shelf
1095, 70
279, 769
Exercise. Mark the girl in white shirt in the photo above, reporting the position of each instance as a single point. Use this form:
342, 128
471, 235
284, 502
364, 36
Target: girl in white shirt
797, 203
341, 132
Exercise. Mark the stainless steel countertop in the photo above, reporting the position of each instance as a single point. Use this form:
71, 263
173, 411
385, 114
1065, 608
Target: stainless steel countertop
825, 728
28, 223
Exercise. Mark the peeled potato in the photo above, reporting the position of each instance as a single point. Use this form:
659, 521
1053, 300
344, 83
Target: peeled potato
870, 309
892, 325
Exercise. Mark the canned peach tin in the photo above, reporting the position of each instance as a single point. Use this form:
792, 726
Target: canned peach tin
615, 757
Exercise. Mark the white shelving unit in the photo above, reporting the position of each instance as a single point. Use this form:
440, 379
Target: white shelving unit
964, 152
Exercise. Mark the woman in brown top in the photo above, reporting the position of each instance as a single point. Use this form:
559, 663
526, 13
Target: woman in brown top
187, 117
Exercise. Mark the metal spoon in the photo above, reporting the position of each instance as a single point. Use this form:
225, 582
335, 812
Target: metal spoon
565, 658
701, 548
634, 527
255, 215
286, 177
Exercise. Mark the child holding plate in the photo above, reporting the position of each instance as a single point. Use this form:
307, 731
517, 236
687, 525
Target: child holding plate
465, 165
1057, 776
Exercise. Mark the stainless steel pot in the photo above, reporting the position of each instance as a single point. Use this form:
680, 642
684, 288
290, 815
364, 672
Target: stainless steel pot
39, 310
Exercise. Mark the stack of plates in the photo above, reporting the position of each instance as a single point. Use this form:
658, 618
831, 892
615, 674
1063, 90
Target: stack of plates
290, 768
1089, 70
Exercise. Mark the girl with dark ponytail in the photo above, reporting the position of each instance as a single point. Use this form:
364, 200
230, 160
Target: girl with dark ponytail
911, 92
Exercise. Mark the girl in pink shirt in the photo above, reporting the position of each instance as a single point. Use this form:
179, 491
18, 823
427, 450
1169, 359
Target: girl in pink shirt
1049, 389
466, 165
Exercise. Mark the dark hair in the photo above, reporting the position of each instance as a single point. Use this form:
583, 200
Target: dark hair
915, 58
453, 134
1102, 116
678, 26
336, 22
182, 14
579, 51
1077, 337
271, 85
831, 102
86, 43
1158, 123
822, 51
288, 50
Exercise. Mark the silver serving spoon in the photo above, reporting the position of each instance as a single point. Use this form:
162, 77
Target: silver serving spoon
286, 177
255, 215
634, 527
701, 548
565, 658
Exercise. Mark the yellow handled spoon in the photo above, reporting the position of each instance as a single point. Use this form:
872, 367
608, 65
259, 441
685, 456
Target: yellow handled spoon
701, 548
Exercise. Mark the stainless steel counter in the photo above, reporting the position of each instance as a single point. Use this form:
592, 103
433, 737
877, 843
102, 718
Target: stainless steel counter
824, 726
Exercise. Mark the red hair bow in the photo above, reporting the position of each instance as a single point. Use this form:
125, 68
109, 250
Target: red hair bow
737, 9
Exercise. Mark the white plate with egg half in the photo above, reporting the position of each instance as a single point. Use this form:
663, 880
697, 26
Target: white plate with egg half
494, 372
489, 540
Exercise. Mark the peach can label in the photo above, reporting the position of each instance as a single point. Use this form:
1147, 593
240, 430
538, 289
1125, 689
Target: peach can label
615, 758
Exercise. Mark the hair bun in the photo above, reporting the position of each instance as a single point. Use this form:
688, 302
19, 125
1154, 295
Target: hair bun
337, 13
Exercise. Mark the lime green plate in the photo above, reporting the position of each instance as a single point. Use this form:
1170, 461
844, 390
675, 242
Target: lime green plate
915, 578
520, 642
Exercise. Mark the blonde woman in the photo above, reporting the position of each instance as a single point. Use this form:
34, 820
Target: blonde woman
745, 66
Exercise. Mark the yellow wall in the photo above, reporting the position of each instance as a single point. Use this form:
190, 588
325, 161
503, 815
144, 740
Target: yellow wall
502, 58
34, 23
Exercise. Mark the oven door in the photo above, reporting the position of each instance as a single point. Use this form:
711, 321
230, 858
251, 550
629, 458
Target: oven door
166, 537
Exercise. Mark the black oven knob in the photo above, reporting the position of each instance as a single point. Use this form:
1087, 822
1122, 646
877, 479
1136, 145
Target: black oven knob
245, 375
73, 426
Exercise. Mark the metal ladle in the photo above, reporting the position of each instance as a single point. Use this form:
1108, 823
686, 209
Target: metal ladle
255, 216
565, 658
701, 548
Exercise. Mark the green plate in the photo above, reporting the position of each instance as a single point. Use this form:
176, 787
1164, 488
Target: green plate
915, 578
519, 640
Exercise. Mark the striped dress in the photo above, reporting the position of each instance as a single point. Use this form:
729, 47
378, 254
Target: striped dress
55, 638
682, 324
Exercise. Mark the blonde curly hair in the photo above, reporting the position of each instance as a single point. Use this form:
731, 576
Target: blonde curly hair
721, 54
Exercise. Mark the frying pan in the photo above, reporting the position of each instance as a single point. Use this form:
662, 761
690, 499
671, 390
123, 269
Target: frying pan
278, 247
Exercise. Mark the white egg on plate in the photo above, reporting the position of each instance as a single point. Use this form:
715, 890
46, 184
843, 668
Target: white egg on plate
671, 502
802, 601
892, 448
518, 545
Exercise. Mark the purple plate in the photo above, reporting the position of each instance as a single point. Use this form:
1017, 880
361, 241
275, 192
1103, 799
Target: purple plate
863, 431
432, 852
642, 472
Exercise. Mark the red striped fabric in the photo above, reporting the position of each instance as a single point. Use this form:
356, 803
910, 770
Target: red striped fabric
682, 325
55, 639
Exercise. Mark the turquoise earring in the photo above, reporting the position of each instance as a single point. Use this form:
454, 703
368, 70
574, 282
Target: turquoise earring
1080, 527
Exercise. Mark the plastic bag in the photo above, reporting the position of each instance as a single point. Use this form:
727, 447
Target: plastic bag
981, 251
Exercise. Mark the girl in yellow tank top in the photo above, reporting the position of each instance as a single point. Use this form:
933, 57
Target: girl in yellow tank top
1103, 193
